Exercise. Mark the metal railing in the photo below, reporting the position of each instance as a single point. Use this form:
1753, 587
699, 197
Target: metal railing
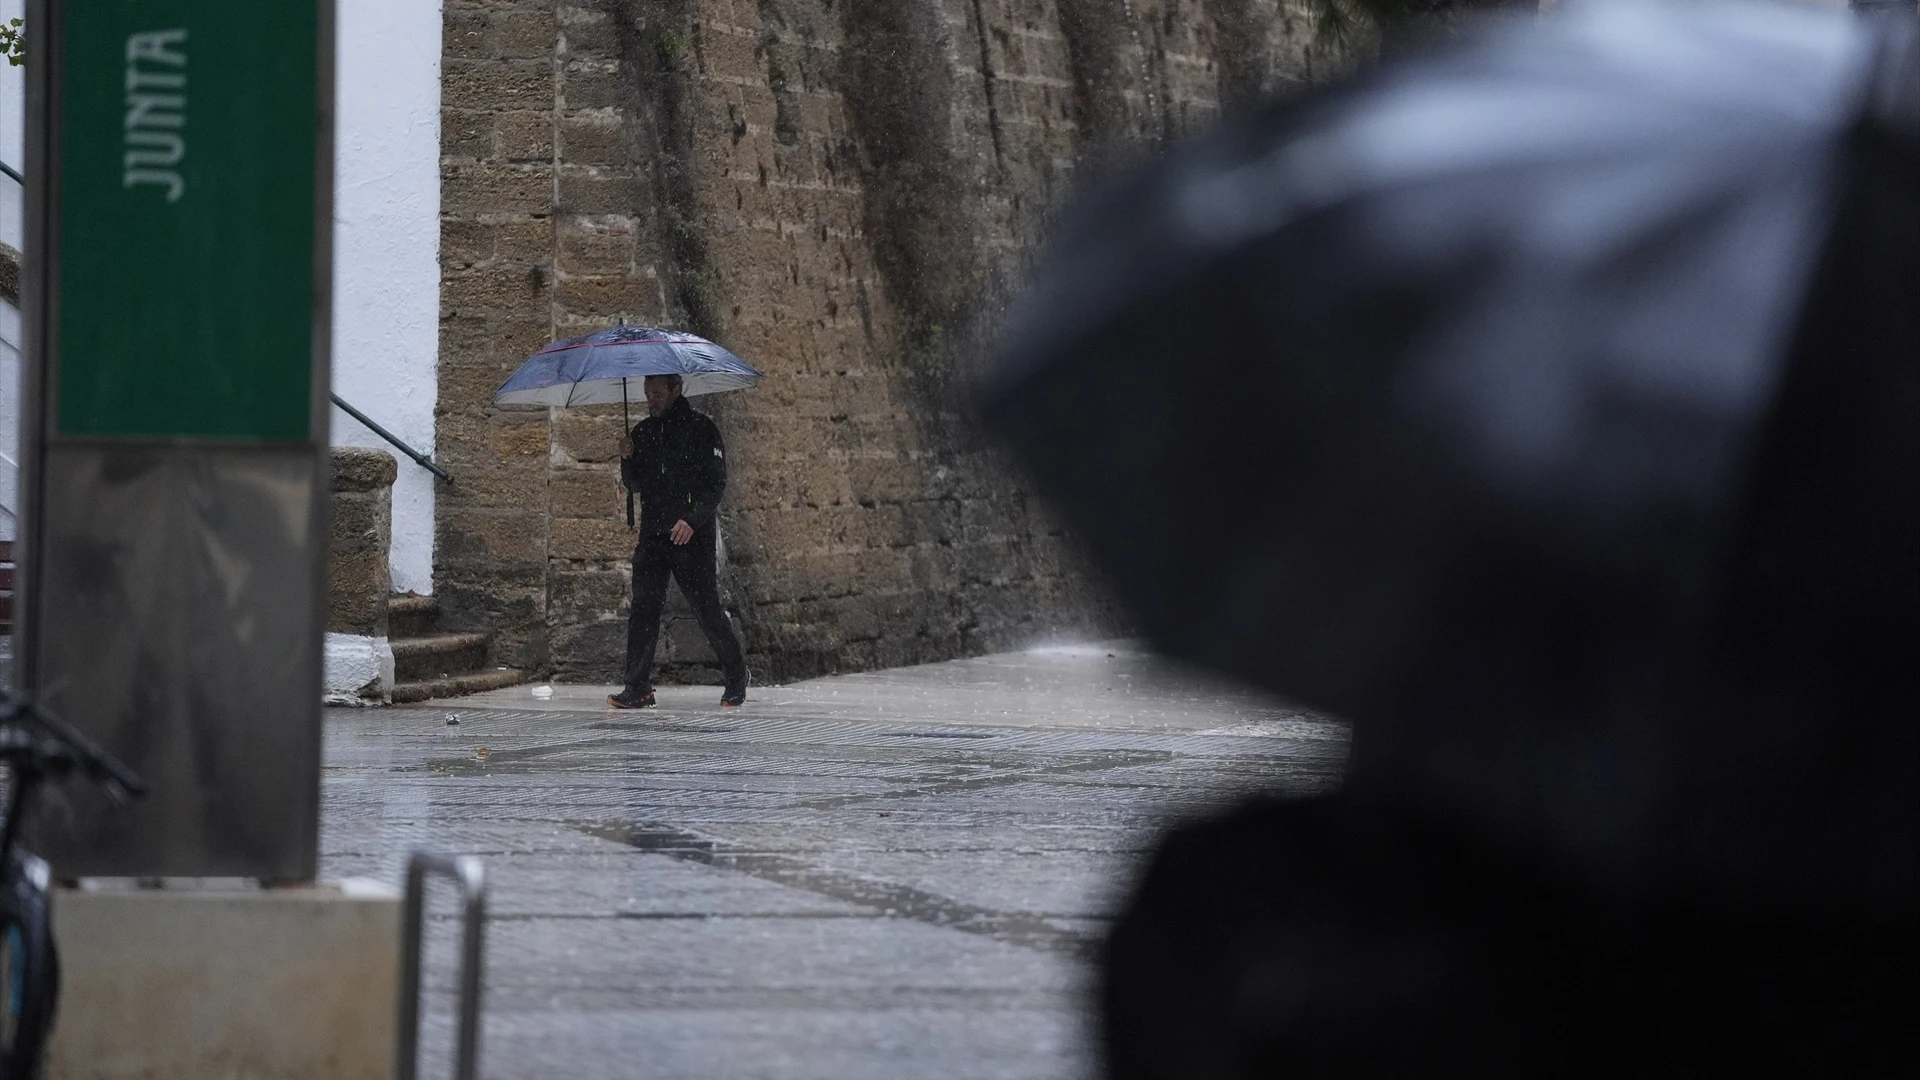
467, 871
424, 461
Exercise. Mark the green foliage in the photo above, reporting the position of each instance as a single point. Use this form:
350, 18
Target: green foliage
1345, 22
13, 42
924, 347
670, 45
1339, 22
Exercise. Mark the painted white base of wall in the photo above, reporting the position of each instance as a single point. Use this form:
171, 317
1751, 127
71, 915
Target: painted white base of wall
359, 670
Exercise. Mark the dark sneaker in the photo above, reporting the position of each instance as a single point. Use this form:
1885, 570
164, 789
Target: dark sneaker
733, 701
627, 699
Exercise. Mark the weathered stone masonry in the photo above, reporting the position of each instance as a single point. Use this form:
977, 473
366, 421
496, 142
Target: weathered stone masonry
836, 189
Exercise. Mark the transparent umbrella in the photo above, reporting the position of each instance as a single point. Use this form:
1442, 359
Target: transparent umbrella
609, 365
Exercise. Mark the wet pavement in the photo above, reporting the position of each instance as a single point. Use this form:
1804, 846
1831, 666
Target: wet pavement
898, 875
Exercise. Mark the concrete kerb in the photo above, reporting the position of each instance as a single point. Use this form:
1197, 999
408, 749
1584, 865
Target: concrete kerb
286, 983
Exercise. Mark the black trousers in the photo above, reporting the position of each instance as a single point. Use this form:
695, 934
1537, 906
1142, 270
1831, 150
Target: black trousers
692, 565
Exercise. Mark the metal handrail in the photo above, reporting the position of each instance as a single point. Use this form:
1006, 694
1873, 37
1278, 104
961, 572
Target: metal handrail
17, 178
424, 461
472, 878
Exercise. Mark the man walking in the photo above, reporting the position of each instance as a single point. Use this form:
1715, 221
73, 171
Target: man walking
674, 462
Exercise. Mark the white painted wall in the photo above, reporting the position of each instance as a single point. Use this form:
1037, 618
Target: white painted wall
12, 150
386, 280
9, 420
13, 134
13, 89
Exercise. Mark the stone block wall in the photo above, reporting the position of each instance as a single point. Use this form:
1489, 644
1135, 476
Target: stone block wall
358, 668
841, 191
360, 496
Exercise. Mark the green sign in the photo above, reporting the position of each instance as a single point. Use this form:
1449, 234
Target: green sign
187, 140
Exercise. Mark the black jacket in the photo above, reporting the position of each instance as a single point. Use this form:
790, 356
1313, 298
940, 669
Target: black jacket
678, 469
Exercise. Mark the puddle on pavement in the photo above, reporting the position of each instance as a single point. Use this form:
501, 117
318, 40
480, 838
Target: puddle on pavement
887, 899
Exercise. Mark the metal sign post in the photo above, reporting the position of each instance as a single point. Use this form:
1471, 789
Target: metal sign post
179, 235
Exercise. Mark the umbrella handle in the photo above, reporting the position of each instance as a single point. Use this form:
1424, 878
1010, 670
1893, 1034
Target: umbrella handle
627, 432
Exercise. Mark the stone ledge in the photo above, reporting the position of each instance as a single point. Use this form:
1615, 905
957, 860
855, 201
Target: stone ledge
457, 685
359, 468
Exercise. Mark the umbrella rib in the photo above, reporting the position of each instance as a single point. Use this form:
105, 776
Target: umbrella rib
706, 367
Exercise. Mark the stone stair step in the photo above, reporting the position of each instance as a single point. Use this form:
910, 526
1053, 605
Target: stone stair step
439, 656
412, 616
456, 685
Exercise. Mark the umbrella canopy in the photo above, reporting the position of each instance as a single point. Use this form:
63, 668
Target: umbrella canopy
1547, 408
607, 366
1531, 405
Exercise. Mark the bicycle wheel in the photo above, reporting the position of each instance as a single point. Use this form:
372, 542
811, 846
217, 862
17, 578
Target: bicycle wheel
29, 979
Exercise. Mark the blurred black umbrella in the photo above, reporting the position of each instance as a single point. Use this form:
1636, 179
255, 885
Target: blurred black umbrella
1549, 409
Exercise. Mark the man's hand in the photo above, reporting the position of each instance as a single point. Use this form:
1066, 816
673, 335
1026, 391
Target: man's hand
682, 532
626, 446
